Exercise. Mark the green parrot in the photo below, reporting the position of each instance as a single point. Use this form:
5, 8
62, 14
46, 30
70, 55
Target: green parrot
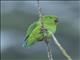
33, 34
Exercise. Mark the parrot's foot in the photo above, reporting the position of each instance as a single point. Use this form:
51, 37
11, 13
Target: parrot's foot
43, 30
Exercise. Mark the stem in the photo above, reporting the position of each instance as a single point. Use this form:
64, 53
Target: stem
49, 51
61, 48
40, 13
39, 9
44, 32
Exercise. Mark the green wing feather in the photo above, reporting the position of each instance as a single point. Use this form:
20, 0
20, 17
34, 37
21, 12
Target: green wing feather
29, 31
34, 36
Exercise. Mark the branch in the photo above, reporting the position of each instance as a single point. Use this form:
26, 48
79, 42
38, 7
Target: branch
61, 48
44, 31
40, 14
49, 51
39, 9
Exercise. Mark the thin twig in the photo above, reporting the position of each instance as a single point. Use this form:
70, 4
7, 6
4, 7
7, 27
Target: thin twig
40, 13
44, 32
49, 51
61, 48
39, 9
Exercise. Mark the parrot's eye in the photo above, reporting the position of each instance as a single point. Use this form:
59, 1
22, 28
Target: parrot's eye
56, 21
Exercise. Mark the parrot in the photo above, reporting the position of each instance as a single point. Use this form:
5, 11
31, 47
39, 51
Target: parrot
34, 34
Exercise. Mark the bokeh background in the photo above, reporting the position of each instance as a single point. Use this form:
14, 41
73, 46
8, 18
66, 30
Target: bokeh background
16, 16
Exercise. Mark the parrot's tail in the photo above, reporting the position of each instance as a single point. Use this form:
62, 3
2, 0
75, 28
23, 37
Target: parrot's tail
25, 45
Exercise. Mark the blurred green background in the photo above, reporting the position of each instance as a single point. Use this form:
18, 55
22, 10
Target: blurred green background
16, 16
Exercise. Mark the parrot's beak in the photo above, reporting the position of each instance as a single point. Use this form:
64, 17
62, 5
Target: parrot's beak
56, 21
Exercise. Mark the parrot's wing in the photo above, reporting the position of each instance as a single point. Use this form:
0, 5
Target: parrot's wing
30, 29
28, 32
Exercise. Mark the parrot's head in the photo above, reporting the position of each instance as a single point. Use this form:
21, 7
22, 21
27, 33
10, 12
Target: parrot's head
50, 20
